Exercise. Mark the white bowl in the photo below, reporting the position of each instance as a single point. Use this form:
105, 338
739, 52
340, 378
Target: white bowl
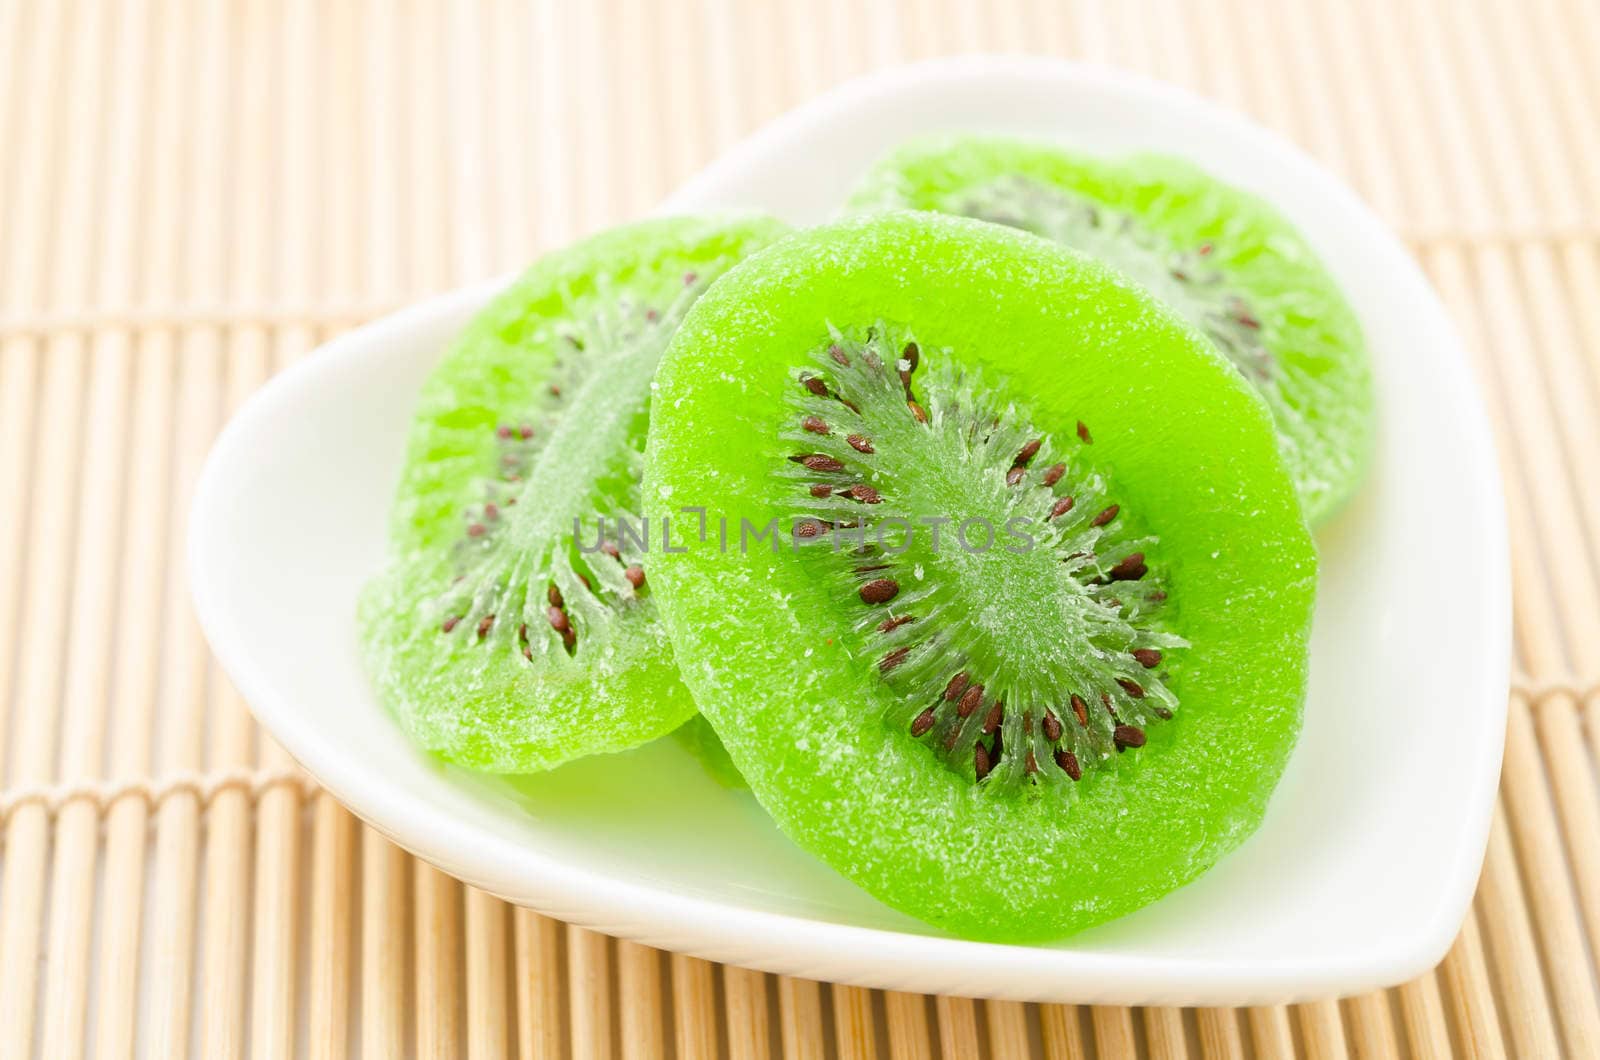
1364, 867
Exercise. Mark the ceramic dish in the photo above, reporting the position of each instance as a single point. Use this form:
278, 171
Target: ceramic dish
1369, 854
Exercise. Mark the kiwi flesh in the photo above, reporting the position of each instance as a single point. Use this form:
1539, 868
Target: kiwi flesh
701, 741
1010, 739
514, 627
1228, 262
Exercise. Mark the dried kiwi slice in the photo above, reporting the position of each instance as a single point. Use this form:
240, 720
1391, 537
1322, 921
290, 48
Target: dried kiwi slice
1225, 260
1079, 694
512, 629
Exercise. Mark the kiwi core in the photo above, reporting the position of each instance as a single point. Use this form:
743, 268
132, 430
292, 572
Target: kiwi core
991, 579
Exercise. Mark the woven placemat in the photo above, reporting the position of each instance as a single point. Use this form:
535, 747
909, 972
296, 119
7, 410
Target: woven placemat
193, 194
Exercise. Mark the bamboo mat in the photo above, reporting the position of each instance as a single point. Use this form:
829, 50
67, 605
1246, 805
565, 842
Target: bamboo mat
194, 194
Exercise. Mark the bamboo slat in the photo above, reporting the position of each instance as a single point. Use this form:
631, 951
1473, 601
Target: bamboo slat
744, 999
695, 1006
1061, 1032
1008, 1028
589, 989
68, 977
958, 1026
195, 194
1164, 1033
643, 1019
854, 1023
909, 1030
1219, 1033
803, 1030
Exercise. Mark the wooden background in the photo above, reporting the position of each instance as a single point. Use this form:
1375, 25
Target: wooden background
193, 194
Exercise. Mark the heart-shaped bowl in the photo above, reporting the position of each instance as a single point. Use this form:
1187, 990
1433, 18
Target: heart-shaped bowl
1366, 862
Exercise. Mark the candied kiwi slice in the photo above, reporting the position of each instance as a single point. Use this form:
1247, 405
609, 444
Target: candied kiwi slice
1010, 739
514, 627
1228, 262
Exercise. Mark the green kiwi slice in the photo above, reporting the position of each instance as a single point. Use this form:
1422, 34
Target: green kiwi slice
514, 627
1225, 260
985, 567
